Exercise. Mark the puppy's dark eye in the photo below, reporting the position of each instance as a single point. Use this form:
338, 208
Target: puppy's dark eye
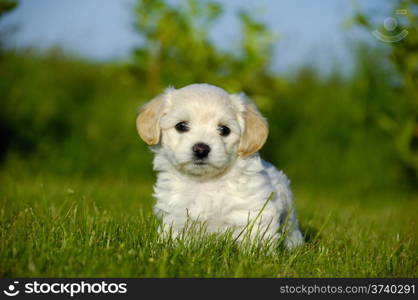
182, 127
224, 130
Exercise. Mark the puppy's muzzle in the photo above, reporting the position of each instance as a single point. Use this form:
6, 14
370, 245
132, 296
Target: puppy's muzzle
200, 150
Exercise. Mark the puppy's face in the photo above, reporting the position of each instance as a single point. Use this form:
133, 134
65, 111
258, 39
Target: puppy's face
201, 129
200, 133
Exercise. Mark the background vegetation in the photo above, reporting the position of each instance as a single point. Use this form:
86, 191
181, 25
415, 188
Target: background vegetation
75, 180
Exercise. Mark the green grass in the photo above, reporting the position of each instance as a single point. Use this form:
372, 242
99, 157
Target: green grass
52, 226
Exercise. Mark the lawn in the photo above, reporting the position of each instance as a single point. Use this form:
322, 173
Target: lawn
69, 227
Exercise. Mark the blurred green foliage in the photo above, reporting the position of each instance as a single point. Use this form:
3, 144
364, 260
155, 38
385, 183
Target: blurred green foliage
71, 117
400, 121
176, 49
6, 5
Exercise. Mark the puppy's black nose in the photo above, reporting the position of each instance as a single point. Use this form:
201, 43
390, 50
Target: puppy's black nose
201, 150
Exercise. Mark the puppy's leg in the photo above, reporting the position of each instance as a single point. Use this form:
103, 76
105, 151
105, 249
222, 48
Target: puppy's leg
293, 236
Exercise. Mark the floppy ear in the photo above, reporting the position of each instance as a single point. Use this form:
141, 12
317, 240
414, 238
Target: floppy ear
255, 131
148, 120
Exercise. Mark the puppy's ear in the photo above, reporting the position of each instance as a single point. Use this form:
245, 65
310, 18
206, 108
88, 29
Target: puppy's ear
148, 120
255, 128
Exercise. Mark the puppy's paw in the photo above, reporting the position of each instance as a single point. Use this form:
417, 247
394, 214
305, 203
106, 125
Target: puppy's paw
293, 240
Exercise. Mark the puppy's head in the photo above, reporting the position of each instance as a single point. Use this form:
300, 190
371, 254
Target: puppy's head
201, 129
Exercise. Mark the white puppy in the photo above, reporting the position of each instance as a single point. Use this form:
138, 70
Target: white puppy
205, 142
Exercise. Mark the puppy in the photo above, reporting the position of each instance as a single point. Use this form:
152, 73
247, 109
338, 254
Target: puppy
205, 143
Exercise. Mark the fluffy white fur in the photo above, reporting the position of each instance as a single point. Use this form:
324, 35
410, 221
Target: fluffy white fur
230, 187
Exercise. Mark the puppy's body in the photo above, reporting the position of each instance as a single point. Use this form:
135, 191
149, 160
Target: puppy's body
228, 202
227, 184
